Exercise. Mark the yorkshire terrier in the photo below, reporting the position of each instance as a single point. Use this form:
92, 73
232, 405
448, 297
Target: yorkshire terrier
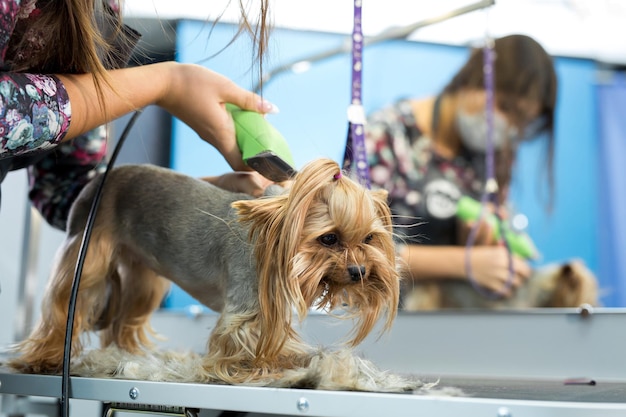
326, 243
569, 284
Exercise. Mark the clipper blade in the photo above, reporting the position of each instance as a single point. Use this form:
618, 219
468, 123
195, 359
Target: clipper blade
271, 166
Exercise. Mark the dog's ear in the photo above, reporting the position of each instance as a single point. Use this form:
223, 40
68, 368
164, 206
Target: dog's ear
575, 285
380, 194
257, 212
379, 197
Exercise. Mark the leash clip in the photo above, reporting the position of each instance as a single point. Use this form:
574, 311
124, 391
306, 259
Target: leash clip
356, 114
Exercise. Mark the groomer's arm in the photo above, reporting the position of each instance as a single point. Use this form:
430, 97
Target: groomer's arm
192, 93
490, 264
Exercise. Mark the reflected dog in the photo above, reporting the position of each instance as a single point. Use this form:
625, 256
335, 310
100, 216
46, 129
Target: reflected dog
326, 244
569, 284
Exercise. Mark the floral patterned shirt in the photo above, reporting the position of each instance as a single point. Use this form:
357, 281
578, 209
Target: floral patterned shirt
423, 186
35, 113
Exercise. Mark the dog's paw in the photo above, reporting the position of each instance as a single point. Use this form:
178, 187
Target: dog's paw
41, 367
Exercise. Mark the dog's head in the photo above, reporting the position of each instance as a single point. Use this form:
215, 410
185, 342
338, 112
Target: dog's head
567, 284
326, 244
575, 285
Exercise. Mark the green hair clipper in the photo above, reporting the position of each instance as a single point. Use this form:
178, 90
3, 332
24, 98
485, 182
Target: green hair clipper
469, 209
263, 148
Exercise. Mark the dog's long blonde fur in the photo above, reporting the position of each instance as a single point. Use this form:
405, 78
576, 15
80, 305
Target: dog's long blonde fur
327, 370
327, 243
300, 213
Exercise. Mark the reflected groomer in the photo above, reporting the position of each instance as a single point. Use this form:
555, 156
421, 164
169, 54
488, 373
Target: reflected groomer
429, 152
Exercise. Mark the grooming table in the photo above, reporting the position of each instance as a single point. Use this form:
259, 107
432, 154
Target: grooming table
488, 397
508, 364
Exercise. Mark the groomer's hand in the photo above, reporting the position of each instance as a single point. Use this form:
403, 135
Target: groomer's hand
192, 93
197, 96
248, 182
490, 269
485, 235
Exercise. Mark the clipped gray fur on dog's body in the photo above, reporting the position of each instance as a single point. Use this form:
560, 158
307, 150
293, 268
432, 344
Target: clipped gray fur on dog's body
190, 213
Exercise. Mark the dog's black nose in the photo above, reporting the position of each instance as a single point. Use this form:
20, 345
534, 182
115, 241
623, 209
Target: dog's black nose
356, 272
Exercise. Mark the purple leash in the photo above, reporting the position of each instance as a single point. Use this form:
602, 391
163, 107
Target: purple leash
355, 146
491, 185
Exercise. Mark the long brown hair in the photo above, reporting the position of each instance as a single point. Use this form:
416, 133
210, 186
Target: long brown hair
83, 36
63, 38
523, 70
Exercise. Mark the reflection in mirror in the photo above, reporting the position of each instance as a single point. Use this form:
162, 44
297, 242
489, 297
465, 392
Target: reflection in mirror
568, 284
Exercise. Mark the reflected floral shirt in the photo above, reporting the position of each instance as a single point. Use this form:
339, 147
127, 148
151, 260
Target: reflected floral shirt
423, 186
35, 114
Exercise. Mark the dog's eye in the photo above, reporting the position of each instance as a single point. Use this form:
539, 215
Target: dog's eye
328, 240
368, 238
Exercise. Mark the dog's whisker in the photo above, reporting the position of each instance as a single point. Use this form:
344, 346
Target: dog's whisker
402, 219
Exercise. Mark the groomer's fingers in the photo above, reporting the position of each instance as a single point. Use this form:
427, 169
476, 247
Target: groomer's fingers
491, 269
484, 235
521, 267
248, 100
503, 212
251, 183
514, 277
248, 182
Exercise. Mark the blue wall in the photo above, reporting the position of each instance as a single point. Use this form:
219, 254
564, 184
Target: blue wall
313, 119
611, 105
571, 229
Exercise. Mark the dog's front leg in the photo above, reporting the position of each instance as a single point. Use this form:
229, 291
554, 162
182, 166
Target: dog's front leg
231, 348
232, 358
